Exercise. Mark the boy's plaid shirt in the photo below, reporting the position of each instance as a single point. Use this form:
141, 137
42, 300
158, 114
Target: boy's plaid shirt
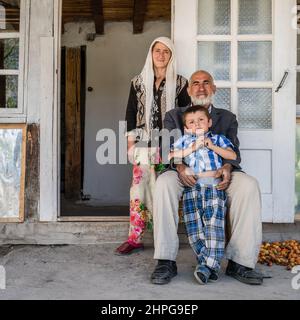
203, 159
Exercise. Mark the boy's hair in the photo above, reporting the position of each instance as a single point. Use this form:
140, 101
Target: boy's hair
194, 109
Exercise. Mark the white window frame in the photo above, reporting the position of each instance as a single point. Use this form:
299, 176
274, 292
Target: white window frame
18, 115
50, 51
234, 38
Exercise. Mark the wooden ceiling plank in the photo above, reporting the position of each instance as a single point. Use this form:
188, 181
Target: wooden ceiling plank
116, 10
139, 13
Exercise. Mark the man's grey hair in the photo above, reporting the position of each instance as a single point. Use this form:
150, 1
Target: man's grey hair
202, 71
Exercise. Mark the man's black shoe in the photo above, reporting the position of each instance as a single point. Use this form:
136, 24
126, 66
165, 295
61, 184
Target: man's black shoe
243, 274
164, 271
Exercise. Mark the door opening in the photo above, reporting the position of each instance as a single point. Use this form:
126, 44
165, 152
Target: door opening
96, 71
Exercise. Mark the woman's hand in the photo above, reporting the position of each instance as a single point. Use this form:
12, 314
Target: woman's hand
170, 155
130, 149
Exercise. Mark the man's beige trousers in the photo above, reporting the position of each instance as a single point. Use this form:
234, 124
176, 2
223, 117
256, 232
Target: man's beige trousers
243, 222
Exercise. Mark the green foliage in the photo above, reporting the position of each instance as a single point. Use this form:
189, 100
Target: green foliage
150, 226
160, 167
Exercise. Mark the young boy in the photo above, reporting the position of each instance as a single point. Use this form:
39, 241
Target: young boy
204, 205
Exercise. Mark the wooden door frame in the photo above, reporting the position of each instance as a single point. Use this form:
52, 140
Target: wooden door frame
49, 121
50, 128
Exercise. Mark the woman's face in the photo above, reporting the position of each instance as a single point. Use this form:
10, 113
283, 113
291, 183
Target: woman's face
161, 55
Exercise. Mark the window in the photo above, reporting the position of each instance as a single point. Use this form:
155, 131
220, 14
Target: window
235, 43
11, 58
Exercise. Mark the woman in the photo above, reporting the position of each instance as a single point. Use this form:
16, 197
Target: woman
154, 92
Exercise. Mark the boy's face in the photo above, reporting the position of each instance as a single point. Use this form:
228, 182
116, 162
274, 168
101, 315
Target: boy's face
197, 121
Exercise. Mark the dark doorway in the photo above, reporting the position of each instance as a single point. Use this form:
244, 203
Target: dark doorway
74, 203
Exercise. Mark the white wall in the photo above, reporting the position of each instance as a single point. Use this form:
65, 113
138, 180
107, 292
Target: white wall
112, 61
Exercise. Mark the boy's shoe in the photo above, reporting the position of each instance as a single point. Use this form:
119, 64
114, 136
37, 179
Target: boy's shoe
202, 274
214, 276
128, 248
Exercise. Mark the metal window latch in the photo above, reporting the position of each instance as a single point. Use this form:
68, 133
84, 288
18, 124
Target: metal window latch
282, 82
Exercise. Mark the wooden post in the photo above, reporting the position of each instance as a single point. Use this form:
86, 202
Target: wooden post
32, 185
72, 122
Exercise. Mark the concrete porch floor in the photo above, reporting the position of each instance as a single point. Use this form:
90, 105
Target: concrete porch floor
94, 272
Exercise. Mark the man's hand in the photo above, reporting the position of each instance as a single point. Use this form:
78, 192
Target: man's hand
225, 174
186, 175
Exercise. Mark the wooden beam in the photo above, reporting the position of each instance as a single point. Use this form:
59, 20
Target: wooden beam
97, 8
139, 13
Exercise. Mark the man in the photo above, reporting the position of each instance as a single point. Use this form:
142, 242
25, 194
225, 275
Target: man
244, 225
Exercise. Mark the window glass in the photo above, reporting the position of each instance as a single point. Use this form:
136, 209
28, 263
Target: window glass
255, 16
9, 53
214, 17
251, 115
8, 92
10, 16
215, 57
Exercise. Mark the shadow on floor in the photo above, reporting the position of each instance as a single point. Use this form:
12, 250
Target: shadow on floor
73, 208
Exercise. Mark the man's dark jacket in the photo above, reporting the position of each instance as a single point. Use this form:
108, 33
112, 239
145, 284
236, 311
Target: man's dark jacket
223, 122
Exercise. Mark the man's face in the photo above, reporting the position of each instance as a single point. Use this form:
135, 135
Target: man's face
201, 89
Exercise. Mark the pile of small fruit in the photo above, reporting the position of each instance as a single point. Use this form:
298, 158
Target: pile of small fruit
285, 253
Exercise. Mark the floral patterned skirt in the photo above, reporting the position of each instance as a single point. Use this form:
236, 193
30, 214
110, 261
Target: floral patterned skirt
145, 169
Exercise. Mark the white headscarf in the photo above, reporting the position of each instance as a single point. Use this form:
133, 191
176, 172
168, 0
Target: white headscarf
171, 78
